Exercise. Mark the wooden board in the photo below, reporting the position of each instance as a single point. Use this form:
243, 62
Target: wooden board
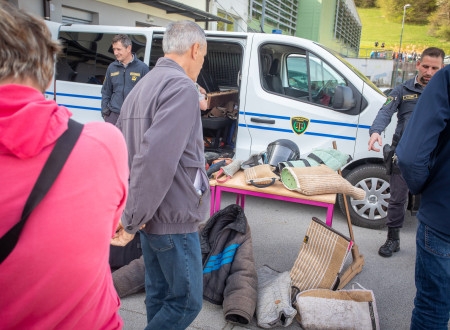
218, 99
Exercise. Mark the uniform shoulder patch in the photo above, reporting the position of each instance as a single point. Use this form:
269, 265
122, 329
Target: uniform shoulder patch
389, 100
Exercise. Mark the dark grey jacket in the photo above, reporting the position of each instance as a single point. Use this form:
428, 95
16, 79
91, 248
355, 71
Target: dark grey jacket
119, 81
161, 122
402, 100
229, 273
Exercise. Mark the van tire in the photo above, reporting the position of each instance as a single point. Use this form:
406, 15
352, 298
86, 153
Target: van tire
372, 212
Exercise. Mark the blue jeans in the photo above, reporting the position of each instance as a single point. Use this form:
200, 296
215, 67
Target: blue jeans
432, 302
173, 279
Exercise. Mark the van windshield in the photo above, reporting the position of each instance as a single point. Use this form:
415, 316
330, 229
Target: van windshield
351, 67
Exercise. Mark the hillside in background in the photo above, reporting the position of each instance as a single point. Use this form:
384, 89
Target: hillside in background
376, 27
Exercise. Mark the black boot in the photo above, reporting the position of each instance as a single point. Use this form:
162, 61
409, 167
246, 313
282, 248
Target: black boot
392, 243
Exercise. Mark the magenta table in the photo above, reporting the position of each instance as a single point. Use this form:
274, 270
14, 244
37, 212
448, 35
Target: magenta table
277, 191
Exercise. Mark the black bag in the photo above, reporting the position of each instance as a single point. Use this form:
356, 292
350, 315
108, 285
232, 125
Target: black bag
122, 255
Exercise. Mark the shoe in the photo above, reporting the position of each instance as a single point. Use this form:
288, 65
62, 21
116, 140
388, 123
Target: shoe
392, 243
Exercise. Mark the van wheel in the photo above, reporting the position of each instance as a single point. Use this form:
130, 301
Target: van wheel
372, 211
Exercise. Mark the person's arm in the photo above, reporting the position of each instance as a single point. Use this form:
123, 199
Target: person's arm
429, 119
107, 91
154, 167
202, 97
384, 117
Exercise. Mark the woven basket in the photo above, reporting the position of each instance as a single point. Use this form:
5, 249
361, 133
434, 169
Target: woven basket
318, 180
260, 176
321, 258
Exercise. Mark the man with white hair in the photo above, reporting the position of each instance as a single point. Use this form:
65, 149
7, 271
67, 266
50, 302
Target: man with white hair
169, 189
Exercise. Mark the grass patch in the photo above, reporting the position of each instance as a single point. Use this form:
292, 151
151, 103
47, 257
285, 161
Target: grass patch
376, 27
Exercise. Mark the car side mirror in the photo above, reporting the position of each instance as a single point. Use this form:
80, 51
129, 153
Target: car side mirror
343, 98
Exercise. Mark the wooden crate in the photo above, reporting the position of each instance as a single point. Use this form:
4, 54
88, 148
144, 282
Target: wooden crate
218, 99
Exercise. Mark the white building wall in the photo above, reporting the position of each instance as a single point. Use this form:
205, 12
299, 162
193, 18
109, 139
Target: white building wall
122, 13
112, 12
32, 6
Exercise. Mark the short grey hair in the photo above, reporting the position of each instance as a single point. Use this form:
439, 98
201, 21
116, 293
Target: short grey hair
180, 36
123, 38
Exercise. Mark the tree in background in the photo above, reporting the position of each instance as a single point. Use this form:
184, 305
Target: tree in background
418, 13
440, 20
366, 3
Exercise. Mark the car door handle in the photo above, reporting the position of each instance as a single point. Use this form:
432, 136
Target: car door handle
261, 120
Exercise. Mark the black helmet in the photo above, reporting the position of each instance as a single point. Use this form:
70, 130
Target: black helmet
281, 151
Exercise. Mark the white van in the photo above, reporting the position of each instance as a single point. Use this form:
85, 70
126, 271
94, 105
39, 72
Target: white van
286, 87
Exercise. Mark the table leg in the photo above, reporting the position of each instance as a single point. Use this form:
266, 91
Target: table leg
242, 201
213, 198
217, 199
329, 215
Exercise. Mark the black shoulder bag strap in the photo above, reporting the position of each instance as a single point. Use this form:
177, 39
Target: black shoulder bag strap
47, 177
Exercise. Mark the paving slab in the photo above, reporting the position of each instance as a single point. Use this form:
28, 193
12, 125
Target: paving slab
278, 229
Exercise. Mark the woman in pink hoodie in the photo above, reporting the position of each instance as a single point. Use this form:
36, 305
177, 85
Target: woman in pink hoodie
57, 276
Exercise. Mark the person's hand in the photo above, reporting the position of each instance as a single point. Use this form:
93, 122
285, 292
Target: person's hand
375, 137
201, 89
121, 237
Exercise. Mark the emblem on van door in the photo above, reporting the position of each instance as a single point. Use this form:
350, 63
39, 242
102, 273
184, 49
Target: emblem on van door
299, 124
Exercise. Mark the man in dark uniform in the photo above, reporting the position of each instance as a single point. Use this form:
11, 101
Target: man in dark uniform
121, 76
402, 100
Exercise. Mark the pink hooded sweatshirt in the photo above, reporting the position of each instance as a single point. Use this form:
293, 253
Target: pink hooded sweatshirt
58, 275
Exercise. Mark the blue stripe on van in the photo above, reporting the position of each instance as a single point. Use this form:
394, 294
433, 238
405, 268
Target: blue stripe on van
76, 95
332, 123
306, 133
79, 107
331, 136
268, 128
312, 120
264, 115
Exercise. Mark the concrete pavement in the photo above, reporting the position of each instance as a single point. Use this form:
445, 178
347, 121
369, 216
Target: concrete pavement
278, 229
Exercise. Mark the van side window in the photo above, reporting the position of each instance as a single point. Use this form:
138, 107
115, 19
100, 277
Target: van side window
323, 80
86, 56
296, 73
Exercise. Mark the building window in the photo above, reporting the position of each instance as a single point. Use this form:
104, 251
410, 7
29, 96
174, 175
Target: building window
281, 14
76, 16
347, 29
221, 26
